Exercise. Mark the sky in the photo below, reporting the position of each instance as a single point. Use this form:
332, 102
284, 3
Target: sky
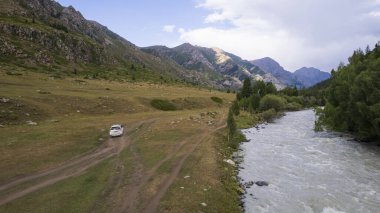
296, 33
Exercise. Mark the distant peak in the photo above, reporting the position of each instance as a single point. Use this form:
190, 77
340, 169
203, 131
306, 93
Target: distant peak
186, 45
267, 58
267, 61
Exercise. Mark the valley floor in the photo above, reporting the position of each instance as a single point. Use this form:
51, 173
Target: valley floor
56, 156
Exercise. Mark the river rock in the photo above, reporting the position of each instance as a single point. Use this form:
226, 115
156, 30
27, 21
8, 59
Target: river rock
229, 161
32, 123
4, 100
248, 184
261, 183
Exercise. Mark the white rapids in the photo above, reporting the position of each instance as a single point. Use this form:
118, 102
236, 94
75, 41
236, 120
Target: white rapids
307, 171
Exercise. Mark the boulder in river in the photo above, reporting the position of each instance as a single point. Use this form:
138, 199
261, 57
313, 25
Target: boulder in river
261, 183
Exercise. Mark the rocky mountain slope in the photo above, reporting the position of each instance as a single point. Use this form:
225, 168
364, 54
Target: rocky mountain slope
304, 77
226, 68
42, 35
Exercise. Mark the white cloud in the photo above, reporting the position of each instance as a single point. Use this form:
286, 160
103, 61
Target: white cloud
294, 32
169, 28
181, 30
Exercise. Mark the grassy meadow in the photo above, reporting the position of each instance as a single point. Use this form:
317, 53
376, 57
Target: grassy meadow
173, 162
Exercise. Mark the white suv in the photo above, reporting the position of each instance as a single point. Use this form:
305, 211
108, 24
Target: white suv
116, 130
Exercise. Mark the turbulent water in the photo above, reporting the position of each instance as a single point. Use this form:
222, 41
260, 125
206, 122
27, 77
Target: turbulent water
308, 171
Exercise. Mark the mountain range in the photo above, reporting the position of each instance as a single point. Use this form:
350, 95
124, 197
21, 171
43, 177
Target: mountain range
43, 36
304, 77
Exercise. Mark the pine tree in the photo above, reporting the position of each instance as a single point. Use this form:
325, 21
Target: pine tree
246, 91
231, 125
235, 108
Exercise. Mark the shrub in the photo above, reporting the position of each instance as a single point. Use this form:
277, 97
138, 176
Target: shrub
272, 102
293, 106
217, 100
163, 105
234, 142
13, 73
254, 101
268, 115
59, 26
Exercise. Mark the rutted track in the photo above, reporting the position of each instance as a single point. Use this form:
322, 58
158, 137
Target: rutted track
10, 190
134, 202
123, 196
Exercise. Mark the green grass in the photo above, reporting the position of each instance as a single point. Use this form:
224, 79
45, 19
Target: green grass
76, 194
246, 120
211, 181
77, 112
163, 105
217, 99
23, 147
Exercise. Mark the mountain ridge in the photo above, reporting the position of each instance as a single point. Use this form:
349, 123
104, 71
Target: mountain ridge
229, 68
303, 77
44, 36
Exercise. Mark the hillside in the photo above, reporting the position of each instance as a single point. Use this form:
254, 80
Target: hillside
43, 36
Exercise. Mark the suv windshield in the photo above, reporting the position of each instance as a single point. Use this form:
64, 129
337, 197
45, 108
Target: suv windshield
115, 128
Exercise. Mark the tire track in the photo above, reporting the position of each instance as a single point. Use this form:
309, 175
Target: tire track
76, 167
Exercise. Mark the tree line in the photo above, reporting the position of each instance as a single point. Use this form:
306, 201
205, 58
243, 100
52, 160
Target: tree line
352, 96
266, 102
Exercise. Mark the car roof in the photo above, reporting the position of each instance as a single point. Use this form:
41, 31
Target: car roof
116, 125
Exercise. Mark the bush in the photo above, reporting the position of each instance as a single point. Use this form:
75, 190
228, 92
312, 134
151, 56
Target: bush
272, 102
217, 100
293, 106
163, 105
235, 141
268, 115
59, 26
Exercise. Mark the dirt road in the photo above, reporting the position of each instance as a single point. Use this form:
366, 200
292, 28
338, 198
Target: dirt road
11, 190
124, 196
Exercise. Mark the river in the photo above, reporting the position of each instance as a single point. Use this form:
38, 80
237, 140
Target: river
308, 171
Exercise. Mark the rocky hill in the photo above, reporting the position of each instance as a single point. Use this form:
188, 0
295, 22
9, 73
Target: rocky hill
43, 36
